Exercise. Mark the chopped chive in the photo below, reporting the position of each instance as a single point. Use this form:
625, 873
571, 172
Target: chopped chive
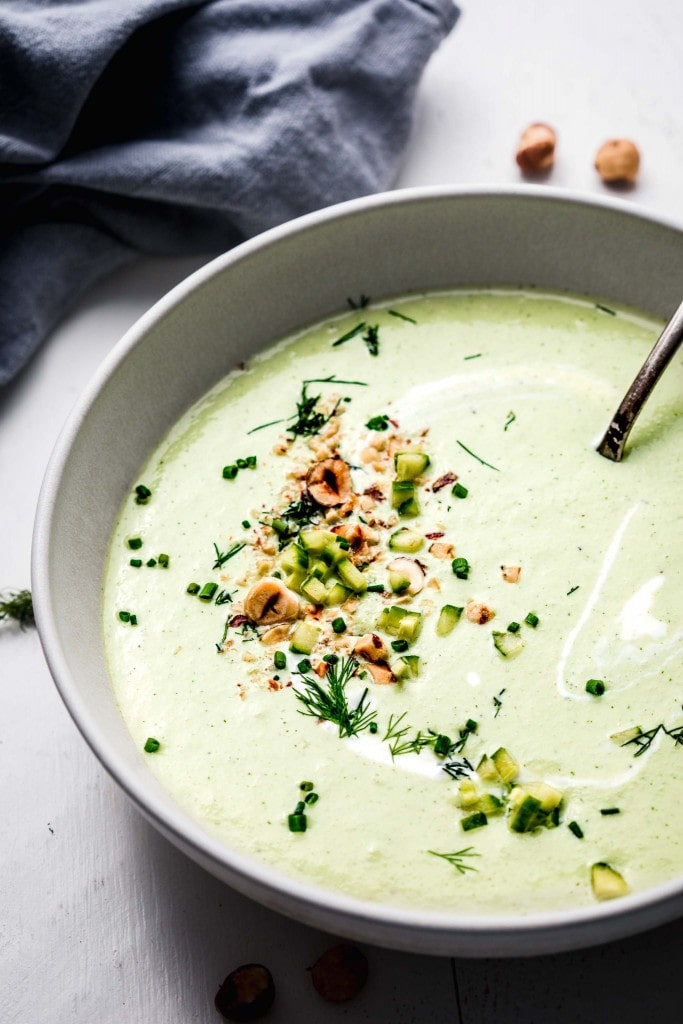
459, 491
343, 543
375, 588
596, 687
471, 725
245, 524
442, 745
513, 627
164, 561
151, 562
151, 746
192, 589
241, 463
135, 562
280, 660
207, 591
135, 543
306, 787
142, 494
229, 472
574, 827
133, 619
605, 309
373, 727
378, 423
124, 616
477, 355
304, 665
297, 822
511, 419
461, 568
251, 461
399, 646
300, 807
339, 625
609, 810
532, 620
312, 798
331, 659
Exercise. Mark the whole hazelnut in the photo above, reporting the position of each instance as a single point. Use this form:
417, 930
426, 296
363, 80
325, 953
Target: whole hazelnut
536, 150
617, 161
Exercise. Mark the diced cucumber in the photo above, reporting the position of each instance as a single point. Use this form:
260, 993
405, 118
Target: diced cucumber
399, 582
293, 557
548, 797
506, 766
525, 811
295, 579
409, 509
314, 589
400, 622
318, 568
607, 883
315, 541
476, 820
409, 465
352, 577
402, 495
449, 617
626, 735
406, 540
487, 771
491, 805
468, 794
335, 593
304, 638
406, 667
507, 644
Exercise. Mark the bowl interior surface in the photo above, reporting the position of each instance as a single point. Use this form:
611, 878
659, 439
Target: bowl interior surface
286, 279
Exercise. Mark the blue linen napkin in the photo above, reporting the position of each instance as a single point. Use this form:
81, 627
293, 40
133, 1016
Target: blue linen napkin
173, 127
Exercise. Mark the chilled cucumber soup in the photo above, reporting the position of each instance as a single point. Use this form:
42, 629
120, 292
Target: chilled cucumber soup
376, 613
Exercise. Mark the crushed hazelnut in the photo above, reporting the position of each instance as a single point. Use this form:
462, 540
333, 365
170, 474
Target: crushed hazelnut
536, 150
511, 573
479, 613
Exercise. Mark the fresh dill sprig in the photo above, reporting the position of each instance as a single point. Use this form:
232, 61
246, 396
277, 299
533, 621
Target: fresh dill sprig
572, 590
223, 597
350, 334
644, 740
477, 457
327, 699
308, 419
511, 419
458, 769
498, 703
371, 339
18, 606
401, 316
457, 859
224, 556
219, 645
297, 515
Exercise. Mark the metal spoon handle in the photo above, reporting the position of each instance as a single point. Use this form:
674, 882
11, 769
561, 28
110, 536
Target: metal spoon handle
616, 435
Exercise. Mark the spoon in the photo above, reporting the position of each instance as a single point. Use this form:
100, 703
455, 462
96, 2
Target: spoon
666, 346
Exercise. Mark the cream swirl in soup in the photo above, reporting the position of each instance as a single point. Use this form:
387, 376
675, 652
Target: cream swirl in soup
376, 612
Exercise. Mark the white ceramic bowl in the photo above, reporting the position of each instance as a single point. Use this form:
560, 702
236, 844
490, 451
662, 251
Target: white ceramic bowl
286, 278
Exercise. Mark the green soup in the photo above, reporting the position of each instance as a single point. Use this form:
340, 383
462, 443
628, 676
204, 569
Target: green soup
465, 424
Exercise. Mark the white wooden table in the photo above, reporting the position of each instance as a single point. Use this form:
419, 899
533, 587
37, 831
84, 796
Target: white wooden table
100, 918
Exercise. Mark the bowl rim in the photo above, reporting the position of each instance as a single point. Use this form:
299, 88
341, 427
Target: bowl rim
490, 934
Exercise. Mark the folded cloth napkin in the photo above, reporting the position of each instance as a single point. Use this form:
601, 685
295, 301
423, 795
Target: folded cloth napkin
173, 127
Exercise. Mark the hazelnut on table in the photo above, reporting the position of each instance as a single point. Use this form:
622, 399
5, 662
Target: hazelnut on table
536, 150
618, 161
